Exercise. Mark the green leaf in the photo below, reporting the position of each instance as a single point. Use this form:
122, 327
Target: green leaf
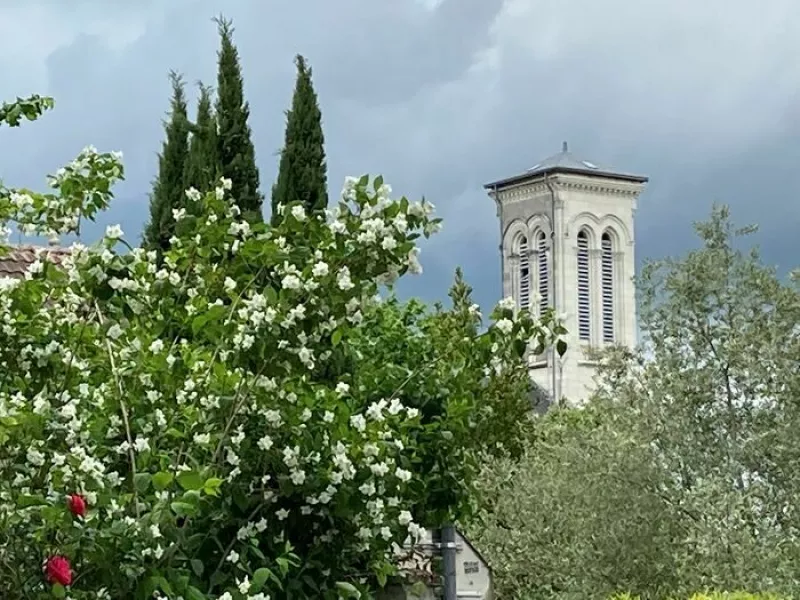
241, 500
260, 577
283, 565
561, 347
198, 323
309, 581
347, 590
336, 337
190, 480
51, 513
142, 482
197, 567
180, 582
183, 509
218, 578
59, 591
192, 593
162, 479
211, 486
26, 500
191, 497
163, 584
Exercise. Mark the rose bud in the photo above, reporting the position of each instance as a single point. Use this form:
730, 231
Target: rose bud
76, 505
58, 570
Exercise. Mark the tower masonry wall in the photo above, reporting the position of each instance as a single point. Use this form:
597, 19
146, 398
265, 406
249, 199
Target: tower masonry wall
563, 204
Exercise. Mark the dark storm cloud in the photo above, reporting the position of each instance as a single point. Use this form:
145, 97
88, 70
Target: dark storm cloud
441, 100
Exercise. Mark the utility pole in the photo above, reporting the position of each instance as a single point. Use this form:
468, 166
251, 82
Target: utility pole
448, 544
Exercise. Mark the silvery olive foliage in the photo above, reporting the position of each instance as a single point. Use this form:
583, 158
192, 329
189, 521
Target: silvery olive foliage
681, 473
240, 418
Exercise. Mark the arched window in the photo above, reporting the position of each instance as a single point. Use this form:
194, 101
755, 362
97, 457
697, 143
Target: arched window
524, 274
607, 272
584, 308
544, 273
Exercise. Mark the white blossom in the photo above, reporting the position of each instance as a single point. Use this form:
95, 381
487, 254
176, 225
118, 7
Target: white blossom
507, 303
298, 212
505, 326
359, 422
320, 269
114, 232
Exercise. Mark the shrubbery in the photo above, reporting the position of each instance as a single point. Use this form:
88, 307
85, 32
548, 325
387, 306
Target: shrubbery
243, 418
680, 473
713, 596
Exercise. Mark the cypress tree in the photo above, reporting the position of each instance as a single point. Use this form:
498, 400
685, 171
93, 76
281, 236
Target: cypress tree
235, 151
168, 190
201, 165
302, 174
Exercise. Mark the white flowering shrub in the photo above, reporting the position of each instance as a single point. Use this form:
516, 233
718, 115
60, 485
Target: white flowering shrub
240, 418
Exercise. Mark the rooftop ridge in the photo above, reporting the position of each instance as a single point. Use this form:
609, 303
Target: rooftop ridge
20, 257
48, 248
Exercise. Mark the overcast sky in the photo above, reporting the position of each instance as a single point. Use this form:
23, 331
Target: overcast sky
441, 97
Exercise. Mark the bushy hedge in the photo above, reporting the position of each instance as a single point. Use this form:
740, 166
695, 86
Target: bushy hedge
239, 418
714, 596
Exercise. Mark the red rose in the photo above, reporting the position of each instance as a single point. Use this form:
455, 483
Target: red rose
58, 570
76, 505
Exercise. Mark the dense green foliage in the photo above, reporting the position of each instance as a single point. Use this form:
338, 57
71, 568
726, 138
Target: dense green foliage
31, 108
195, 155
236, 156
168, 188
444, 366
681, 473
302, 174
713, 596
201, 164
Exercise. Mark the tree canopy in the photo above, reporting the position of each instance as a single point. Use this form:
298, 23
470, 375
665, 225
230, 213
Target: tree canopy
168, 188
302, 173
236, 156
201, 163
680, 473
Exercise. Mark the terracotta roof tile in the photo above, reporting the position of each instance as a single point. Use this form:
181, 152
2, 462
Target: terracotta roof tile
19, 258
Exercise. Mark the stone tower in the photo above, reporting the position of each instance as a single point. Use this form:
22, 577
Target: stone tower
566, 230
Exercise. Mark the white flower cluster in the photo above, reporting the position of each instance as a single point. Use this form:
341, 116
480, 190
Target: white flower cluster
53, 215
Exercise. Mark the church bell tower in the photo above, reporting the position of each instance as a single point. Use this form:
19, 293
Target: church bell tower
567, 242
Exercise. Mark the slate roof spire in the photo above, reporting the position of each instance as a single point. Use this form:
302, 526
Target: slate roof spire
565, 162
